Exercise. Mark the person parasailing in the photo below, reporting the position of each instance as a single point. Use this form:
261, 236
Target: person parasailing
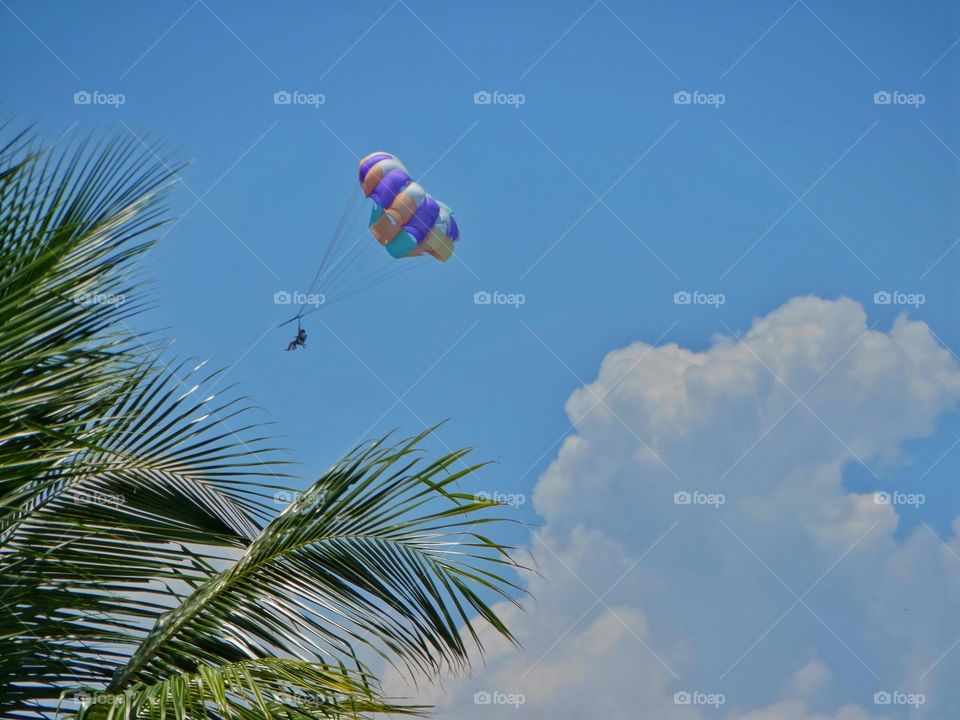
405, 220
300, 341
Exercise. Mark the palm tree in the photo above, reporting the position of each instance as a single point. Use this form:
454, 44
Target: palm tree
144, 569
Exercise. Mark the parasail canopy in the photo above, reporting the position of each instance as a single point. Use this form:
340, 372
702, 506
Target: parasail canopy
405, 219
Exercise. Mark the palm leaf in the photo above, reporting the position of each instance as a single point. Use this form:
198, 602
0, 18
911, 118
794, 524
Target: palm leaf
251, 689
140, 555
372, 553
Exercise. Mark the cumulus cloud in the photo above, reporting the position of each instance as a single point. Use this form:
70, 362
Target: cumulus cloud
701, 554
808, 681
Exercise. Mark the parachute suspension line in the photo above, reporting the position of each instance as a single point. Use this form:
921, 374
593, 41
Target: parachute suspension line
339, 269
376, 280
374, 264
342, 225
373, 280
347, 270
387, 272
367, 261
349, 273
328, 252
331, 246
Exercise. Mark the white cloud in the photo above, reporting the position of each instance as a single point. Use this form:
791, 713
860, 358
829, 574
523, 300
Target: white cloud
809, 680
796, 710
792, 598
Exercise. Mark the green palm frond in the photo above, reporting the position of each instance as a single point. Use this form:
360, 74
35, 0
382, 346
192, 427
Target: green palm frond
248, 690
70, 228
376, 552
141, 555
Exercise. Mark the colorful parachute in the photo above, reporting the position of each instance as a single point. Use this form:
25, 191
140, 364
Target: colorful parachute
405, 219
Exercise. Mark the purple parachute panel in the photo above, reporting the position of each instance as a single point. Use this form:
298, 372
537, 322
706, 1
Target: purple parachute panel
370, 160
383, 176
423, 219
392, 183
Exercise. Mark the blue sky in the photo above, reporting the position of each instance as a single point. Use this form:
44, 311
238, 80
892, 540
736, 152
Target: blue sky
598, 198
